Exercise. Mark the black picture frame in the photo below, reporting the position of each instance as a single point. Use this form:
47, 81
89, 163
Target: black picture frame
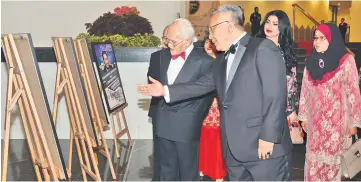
106, 74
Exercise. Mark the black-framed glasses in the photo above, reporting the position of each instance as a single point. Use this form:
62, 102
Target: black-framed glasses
211, 28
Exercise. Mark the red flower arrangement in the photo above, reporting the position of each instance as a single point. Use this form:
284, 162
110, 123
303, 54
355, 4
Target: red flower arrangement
126, 10
124, 20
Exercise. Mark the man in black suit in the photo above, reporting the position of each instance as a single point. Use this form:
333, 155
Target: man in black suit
154, 72
343, 28
255, 20
178, 125
250, 79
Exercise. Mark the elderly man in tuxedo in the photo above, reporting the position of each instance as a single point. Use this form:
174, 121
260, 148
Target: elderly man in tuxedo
178, 125
250, 80
154, 72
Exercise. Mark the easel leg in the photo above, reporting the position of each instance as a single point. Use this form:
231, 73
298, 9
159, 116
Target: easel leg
70, 162
6, 146
56, 96
73, 131
126, 126
46, 174
107, 154
80, 159
28, 136
115, 138
7, 126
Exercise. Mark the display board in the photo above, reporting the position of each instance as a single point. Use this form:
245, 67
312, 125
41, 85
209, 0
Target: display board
109, 75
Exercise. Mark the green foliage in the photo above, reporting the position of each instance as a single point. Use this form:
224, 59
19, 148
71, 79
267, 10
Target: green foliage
138, 40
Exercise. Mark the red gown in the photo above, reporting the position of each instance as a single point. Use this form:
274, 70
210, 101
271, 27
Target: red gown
210, 153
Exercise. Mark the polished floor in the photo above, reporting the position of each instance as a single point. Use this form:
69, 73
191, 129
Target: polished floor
134, 164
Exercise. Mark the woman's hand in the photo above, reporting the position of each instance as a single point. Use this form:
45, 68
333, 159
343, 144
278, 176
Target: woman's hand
353, 131
304, 125
293, 117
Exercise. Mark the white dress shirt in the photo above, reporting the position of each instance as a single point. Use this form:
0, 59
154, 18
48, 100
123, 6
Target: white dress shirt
231, 56
174, 68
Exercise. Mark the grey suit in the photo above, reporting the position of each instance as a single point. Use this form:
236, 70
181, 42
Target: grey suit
178, 125
252, 107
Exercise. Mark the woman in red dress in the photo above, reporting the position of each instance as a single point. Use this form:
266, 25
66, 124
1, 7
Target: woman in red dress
330, 104
210, 153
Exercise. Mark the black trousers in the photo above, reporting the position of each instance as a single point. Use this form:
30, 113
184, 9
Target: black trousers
276, 169
179, 161
156, 163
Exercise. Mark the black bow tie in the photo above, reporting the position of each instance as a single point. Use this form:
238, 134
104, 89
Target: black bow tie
231, 50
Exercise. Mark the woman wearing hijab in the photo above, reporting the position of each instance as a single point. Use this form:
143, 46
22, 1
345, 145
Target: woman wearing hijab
329, 104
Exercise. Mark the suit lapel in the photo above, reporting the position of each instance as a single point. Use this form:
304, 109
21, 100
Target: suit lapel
237, 60
187, 68
223, 74
165, 58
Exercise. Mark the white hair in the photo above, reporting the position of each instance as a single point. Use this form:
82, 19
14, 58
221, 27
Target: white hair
195, 39
165, 28
187, 30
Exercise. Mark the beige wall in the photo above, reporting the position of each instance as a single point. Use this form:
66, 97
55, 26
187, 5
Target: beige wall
354, 21
317, 9
44, 19
200, 19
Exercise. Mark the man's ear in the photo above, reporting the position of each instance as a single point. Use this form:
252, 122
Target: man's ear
230, 28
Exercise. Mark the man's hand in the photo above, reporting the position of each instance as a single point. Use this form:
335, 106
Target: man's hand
155, 89
265, 149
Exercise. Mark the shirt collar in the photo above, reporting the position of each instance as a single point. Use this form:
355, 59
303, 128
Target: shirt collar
239, 38
189, 50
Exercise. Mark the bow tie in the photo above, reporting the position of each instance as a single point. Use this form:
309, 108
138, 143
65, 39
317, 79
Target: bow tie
231, 50
182, 55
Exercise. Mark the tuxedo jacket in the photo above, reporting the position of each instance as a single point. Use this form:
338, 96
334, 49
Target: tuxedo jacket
181, 121
252, 99
153, 71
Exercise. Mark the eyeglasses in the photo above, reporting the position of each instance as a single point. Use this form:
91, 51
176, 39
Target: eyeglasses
322, 38
211, 28
170, 42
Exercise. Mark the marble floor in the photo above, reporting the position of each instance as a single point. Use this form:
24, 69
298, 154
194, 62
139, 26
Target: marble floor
134, 163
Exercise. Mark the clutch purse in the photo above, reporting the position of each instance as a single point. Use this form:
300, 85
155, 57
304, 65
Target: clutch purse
351, 158
296, 133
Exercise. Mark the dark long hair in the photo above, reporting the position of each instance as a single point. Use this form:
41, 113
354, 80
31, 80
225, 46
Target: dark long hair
284, 39
205, 38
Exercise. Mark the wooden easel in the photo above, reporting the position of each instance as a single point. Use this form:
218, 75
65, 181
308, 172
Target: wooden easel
122, 131
83, 54
19, 92
85, 63
79, 131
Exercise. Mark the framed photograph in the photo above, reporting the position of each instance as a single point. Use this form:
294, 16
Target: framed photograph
109, 75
